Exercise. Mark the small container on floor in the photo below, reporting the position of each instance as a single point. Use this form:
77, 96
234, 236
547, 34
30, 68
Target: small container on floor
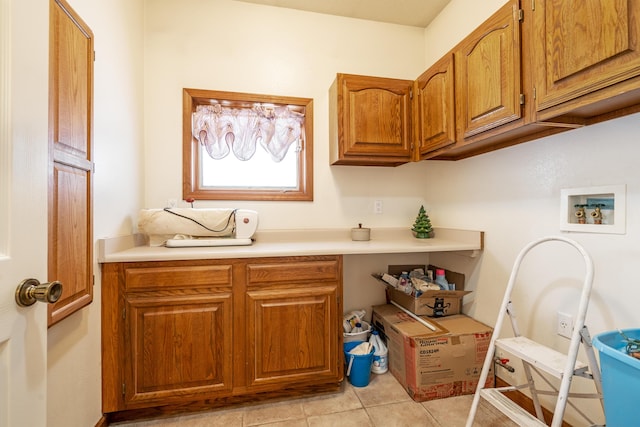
358, 366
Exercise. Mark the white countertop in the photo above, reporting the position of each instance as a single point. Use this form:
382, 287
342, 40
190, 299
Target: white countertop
271, 243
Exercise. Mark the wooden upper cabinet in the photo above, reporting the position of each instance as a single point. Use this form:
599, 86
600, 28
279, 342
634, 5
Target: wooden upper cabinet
70, 252
370, 120
434, 111
533, 69
488, 74
582, 47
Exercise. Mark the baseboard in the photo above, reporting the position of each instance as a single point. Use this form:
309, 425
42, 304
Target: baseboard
525, 402
227, 402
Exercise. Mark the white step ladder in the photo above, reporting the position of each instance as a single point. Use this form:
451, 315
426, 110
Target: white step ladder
539, 358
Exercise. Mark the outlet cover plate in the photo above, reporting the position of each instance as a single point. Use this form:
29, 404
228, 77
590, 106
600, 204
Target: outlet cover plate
565, 325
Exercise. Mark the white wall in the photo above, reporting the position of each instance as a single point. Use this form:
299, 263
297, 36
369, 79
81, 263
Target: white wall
74, 357
456, 20
511, 194
514, 196
236, 46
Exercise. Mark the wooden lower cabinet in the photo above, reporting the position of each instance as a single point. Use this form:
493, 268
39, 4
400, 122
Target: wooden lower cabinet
177, 346
292, 313
182, 335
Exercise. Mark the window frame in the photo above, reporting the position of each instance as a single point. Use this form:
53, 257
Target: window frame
191, 186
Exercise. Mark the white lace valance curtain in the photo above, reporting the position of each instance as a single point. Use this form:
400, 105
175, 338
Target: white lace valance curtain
221, 130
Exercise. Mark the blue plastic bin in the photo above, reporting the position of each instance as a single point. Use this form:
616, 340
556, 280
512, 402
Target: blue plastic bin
620, 378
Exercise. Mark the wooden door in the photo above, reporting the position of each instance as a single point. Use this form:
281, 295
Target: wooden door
23, 209
488, 74
435, 112
373, 120
70, 160
582, 46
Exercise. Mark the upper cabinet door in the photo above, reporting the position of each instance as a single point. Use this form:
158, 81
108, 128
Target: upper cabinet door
435, 106
488, 74
583, 46
371, 120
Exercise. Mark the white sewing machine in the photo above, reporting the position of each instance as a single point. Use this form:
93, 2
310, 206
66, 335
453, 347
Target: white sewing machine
184, 226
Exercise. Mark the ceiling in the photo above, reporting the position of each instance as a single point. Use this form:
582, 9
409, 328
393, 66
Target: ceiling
416, 13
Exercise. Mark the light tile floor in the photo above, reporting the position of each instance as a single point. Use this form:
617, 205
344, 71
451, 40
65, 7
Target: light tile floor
383, 403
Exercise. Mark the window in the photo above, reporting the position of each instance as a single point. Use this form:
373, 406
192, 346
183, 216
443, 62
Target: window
239, 146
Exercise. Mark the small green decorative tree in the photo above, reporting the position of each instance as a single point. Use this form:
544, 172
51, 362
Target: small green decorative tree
422, 225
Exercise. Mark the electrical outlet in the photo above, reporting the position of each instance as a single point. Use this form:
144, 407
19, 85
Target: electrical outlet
172, 203
565, 325
377, 207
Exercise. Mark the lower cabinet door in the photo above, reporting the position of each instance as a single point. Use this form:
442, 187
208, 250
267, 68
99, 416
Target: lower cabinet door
178, 348
292, 335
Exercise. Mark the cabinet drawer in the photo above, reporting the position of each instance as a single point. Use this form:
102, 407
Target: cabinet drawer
177, 277
294, 270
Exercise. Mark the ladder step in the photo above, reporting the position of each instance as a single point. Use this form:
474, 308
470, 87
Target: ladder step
542, 357
505, 405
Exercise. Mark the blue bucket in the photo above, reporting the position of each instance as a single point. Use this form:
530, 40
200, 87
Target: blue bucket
357, 366
620, 377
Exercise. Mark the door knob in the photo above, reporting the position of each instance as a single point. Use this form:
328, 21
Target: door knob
31, 290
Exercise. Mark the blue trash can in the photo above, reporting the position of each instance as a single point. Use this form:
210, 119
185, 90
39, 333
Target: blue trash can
620, 378
357, 366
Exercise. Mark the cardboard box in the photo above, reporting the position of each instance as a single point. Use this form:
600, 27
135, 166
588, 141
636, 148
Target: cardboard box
430, 303
434, 364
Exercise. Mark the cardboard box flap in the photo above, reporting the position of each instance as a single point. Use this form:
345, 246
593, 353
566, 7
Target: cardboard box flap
451, 276
434, 294
462, 325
